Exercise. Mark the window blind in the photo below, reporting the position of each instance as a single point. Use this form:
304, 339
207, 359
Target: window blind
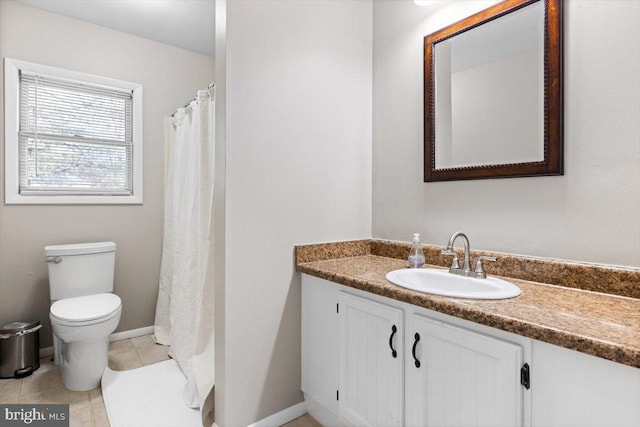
75, 138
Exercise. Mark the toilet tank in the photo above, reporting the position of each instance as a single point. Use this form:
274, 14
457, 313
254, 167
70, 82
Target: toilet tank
80, 269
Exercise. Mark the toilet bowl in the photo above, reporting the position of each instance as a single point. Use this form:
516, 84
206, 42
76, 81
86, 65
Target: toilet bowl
82, 326
83, 312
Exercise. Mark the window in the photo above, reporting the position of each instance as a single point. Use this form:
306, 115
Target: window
71, 137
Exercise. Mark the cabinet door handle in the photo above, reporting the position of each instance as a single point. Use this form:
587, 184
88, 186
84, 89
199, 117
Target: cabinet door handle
393, 332
413, 350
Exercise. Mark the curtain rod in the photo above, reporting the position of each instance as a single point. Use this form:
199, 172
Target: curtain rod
209, 86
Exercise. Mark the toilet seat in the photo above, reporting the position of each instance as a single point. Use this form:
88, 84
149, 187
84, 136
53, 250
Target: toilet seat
85, 310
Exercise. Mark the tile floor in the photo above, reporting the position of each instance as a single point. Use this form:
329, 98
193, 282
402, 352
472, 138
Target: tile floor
304, 421
86, 408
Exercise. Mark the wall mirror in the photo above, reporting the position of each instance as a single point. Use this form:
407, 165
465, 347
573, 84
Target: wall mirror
493, 94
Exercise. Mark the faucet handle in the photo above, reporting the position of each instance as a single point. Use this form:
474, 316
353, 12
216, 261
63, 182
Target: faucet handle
480, 273
454, 263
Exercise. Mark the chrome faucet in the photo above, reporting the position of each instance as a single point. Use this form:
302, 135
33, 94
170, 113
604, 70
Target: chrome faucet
466, 271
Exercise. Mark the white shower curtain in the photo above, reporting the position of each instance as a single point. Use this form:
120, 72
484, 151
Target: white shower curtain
184, 312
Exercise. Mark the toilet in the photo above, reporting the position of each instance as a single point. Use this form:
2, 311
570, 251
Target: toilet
84, 311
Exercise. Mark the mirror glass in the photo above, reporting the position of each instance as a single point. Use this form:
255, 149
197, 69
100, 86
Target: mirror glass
493, 94
489, 87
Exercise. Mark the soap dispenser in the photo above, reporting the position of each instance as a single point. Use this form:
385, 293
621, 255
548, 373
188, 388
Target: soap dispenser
416, 256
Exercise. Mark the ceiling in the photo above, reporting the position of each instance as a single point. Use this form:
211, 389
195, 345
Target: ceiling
188, 24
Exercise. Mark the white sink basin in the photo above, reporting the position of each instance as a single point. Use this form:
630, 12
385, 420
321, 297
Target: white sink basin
441, 282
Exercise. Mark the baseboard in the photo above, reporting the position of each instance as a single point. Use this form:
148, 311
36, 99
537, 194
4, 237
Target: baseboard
118, 336
46, 352
323, 415
282, 417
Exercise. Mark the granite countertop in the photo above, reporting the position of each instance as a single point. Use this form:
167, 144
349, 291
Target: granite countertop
600, 324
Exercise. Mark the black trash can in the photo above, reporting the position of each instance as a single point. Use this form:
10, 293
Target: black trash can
19, 349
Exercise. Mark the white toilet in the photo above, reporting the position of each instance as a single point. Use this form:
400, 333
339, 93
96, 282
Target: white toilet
84, 311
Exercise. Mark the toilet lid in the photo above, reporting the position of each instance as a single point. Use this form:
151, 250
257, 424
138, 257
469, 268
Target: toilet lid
88, 307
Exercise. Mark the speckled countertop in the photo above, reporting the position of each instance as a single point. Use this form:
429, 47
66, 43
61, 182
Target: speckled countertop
596, 323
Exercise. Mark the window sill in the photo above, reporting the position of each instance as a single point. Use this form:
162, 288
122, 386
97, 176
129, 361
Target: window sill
13, 199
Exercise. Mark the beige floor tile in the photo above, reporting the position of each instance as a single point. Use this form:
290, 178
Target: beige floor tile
124, 360
143, 341
154, 354
304, 421
35, 398
80, 417
10, 390
101, 422
75, 399
86, 408
98, 409
95, 395
120, 346
9, 398
45, 378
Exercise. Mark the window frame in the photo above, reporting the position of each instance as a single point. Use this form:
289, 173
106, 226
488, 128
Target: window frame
12, 194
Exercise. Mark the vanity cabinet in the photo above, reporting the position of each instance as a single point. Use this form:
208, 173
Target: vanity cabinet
469, 374
359, 365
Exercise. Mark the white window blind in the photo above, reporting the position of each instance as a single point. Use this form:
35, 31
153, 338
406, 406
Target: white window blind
74, 138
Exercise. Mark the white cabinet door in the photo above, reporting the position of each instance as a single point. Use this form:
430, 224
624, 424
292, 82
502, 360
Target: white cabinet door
371, 363
464, 378
320, 341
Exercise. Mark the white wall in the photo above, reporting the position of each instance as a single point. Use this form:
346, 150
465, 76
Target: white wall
298, 170
170, 77
591, 214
